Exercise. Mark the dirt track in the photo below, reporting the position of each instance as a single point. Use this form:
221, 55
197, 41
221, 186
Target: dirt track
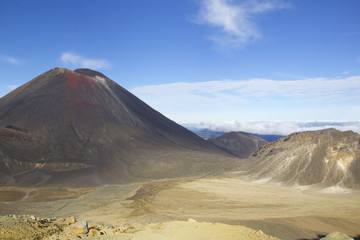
287, 213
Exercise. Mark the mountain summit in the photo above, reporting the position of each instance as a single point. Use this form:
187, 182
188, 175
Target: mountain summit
81, 128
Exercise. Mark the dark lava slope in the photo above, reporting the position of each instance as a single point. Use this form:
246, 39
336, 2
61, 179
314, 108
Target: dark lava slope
79, 128
240, 144
325, 158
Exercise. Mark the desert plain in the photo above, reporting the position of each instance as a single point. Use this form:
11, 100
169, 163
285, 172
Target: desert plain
177, 204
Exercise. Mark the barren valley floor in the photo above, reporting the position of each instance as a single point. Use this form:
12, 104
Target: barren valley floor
283, 212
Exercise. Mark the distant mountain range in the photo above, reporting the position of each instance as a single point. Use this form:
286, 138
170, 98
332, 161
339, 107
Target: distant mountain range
79, 128
208, 133
269, 137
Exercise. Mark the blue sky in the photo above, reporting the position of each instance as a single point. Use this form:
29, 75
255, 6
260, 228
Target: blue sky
198, 60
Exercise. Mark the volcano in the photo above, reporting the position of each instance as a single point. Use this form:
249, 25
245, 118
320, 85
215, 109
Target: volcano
79, 128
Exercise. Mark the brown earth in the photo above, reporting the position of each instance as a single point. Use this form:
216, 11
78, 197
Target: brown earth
283, 212
11, 195
40, 194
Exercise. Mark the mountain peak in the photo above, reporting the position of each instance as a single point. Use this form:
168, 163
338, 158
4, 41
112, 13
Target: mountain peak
59, 70
89, 72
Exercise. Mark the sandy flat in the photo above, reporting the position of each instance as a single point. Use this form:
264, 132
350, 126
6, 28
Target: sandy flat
191, 230
283, 212
280, 211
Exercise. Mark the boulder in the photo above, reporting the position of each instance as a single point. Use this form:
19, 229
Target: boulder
93, 233
80, 227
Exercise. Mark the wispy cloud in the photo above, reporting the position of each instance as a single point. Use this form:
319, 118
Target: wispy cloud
74, 60
234, 22
263, 99
276, 127
253, 90
11, 60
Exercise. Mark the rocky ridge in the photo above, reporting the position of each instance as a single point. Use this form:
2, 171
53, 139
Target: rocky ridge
325, 158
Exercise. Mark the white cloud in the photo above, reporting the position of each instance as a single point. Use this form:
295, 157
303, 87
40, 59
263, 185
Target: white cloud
276, 127
253, 99
308, 90
9, 59
71, 59
234, 22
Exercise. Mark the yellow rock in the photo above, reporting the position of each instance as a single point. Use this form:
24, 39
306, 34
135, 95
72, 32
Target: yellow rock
80, 227
93, 233
77, 231
70, 220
